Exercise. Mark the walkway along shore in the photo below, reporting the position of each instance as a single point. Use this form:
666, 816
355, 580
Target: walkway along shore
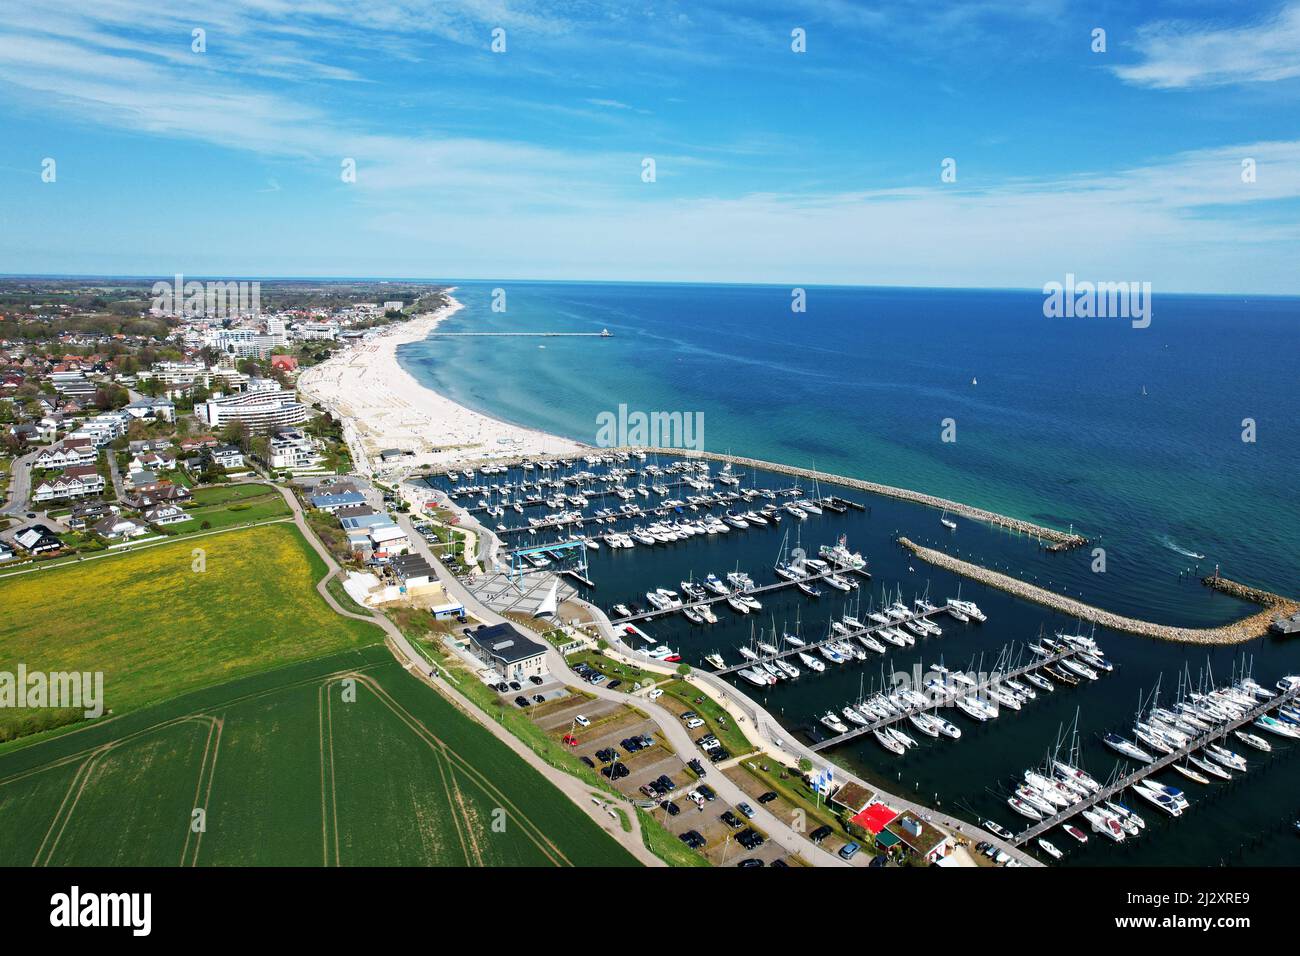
1248, 628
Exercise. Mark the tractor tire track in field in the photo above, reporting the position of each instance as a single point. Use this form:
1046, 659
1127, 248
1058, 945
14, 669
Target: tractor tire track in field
64, 813
327, 752
531, 829
211, 747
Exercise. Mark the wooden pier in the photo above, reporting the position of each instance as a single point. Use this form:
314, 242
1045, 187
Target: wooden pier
716, 598
1161, 763
947, 700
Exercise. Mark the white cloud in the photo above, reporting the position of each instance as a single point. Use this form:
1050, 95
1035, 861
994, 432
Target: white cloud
1184, 55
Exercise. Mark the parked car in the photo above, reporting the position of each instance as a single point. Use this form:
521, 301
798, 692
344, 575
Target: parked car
615, 771
749, 863
849, 850
746, 809
707, 792
692, 839
538, 699
615, 683
655, 694
503, 687
582, 721
671, 808
731, 820
521, 701
665, 783
767, 797
696, 767
821, 833
694, 722
515, 685
588, 761
536, 680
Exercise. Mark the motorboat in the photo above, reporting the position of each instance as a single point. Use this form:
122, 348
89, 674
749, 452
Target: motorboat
809, 589
737, 605
1045, 845
1105, 824
834, 723
716, 660
1251, 740
717, 587
1075, 833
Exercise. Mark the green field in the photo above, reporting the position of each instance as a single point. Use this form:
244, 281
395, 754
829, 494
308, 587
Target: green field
230, 505
288, 771
156, 627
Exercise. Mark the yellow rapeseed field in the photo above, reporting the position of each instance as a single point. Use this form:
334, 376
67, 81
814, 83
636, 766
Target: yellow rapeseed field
158, 624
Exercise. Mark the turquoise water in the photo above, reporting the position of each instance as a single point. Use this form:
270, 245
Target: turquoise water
1057, 429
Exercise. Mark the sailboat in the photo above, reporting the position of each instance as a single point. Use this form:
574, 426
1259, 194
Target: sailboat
947, 522
973, 380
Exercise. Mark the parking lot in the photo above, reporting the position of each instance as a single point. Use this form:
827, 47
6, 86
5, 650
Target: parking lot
614, 738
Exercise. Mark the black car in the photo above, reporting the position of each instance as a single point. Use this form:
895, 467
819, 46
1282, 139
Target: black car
671, 808
615, 771
705, 791
750, 840
607, 755
503, 687
536, 680
514, 685
692, 839
588, 761
731, 820
767, 797
749, 863
615, 683
538, 699
780, 864
521, 701
821, 833
696, 767
665, 783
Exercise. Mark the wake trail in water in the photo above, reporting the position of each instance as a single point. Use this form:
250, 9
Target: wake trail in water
1173, 545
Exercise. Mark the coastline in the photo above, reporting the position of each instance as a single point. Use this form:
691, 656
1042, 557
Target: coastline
383, 406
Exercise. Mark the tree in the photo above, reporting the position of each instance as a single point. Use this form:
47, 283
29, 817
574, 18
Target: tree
805, 765
684, 669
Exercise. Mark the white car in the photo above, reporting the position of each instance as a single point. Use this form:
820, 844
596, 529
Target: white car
582, 721
697, 798
694, 722
655, 694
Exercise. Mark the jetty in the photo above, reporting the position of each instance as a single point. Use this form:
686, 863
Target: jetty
1123, 783
760, 589
1051, 538
1246, 629
948, 698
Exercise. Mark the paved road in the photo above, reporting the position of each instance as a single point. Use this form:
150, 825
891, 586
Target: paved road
416, 665
20, 485
671, 727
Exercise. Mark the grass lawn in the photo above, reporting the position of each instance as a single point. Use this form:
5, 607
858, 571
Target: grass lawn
719, 722
666, 846
157, 628
225, 507
342, 760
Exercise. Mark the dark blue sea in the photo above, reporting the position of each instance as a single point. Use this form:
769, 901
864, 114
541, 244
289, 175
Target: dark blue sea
1131, 436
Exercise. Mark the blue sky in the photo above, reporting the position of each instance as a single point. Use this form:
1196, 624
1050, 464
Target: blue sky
820, 167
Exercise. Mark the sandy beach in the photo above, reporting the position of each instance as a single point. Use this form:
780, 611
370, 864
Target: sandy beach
382, 406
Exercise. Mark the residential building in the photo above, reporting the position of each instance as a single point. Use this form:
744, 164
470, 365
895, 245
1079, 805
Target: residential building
77, 481
293, 450
262, 411
38, 539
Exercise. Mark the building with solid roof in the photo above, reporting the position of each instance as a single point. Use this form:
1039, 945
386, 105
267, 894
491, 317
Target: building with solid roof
507, 651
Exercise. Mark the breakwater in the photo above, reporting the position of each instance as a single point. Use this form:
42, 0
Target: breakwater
1052, 539
1248, 628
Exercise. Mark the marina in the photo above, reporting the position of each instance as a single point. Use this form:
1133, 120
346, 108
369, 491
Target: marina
952, 772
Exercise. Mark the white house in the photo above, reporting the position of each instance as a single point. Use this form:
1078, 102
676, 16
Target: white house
75, 482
